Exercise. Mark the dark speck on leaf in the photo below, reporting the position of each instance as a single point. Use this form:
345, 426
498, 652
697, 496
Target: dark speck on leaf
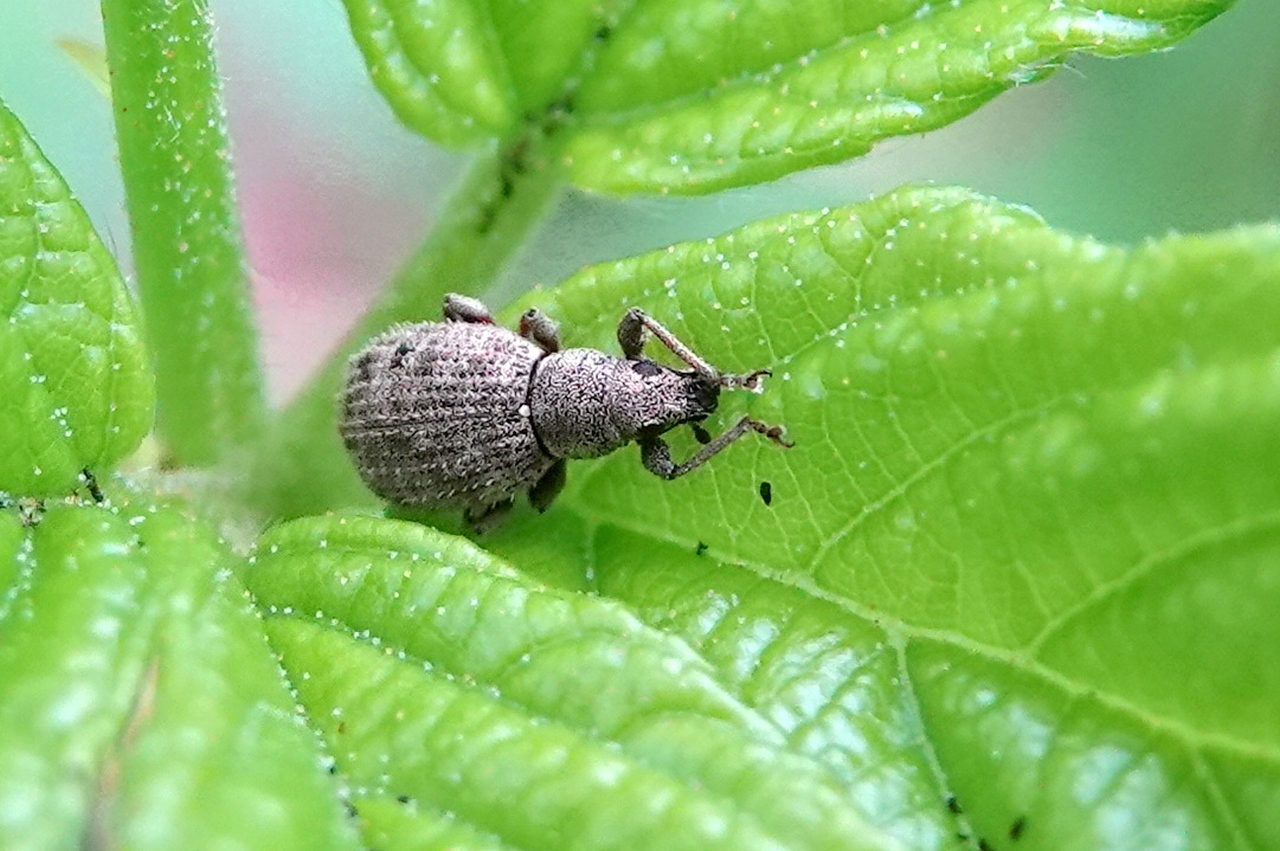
766, 493
953, 805
1018, 827
701, 548
404, 799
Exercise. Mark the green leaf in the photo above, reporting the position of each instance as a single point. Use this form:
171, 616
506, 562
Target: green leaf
698, 95
544, 718
216, 755
75, 383
830, 682
192, 276
1024, 552
72, 654
392, 823
13, 539
141, 705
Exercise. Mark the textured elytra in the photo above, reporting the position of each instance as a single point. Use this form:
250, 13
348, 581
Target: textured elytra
436, 415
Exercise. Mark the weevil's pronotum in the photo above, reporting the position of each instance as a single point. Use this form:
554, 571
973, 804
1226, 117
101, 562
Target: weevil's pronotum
467, 414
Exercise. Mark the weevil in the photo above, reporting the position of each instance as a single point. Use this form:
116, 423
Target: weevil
467, 414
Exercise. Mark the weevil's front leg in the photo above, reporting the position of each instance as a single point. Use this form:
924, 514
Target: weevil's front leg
538, 328
631, 334
656, 455
461, 308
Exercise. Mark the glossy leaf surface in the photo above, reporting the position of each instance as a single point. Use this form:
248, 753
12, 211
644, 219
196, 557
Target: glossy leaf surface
75, 383
1027, 531
141, 705
537, 716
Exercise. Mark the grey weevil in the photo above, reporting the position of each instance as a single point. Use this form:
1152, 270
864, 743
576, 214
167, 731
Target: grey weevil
467, 414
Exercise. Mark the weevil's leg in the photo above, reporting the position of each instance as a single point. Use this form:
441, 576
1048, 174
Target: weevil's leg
656, 455
488, 518
542, 494
461, 308
750, 380
537, 327
631, 333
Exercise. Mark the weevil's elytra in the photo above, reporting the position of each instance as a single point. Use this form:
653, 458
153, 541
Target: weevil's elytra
466, 414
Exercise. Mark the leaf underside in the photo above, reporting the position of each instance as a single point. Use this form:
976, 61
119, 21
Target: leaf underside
693, 96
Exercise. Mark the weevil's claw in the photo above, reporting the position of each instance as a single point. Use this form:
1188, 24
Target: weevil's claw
751, 380
776, 435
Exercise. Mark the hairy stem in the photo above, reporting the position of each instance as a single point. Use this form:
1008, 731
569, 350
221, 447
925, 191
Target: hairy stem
191, 270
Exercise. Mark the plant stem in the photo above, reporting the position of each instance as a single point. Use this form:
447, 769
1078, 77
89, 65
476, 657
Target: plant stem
501, 197
188, 252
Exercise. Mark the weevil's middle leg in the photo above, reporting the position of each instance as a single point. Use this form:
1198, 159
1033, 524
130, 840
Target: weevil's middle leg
656, 455
487, 518
631, 333
544, 492
538, 328
461, 308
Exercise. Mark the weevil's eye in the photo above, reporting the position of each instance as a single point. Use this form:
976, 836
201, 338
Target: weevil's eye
531, 313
